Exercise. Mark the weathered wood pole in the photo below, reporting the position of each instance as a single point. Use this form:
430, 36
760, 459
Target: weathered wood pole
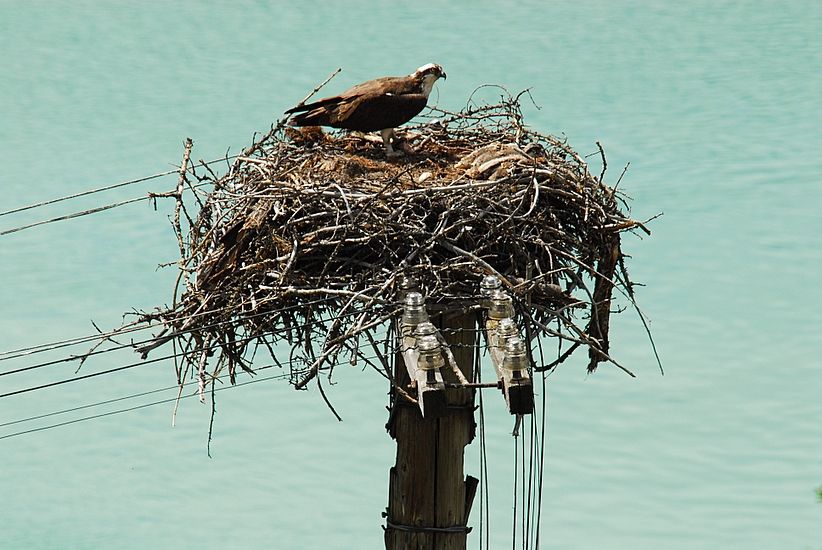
429, 497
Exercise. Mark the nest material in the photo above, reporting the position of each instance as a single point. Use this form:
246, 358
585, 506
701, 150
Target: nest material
306, 238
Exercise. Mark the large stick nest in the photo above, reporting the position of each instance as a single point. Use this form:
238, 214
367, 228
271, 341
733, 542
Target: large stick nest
306, 238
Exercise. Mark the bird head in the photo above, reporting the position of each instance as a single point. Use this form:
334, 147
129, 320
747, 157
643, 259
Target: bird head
429, 74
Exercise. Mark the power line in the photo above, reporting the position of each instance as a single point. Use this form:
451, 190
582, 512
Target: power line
107, 402
88, 406
104, 336
51, 346
121, 367
87, 376
74, 215
89, 192
116, 369
150, 196
136, 407
107, 188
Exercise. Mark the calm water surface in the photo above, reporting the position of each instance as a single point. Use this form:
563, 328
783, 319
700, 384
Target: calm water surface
716, 106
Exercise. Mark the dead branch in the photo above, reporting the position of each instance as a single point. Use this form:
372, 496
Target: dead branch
297, 249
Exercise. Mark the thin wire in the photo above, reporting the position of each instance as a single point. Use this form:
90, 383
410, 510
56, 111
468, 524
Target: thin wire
108, 187
89, 192
137, 407
88, 406
526, 516
134, 396
150, 196
74, 215
118, 369
484, 499
86, 376
132, 365
31, 350
50, 346
537, 482
485, 515
175, 355
514, 522
525, 486
21, 352
108, 336
534, 443
541, 464
129, 366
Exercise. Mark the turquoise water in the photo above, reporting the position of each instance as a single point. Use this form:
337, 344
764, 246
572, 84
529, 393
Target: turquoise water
716, 106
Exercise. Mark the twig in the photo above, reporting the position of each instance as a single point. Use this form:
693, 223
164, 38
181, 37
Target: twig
317, 89
300, 244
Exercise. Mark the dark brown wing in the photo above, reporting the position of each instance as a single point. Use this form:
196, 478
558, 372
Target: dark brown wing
319, 116
374, 105
372, 113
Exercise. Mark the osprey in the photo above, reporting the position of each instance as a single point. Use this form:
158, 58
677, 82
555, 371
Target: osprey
380, 104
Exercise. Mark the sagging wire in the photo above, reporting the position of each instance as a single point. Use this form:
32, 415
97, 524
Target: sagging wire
529, 471
40, 348
541, 472
176, 398
89, 406
116, 185
142, 362
367, 360
149, 196
485, 500
22, 352
89, 192
74, 215
88, 376
127, 409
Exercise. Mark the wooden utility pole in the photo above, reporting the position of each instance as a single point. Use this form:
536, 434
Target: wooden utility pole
432, 414
429, 498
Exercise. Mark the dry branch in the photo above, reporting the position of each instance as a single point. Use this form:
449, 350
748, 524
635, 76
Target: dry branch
303, 242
